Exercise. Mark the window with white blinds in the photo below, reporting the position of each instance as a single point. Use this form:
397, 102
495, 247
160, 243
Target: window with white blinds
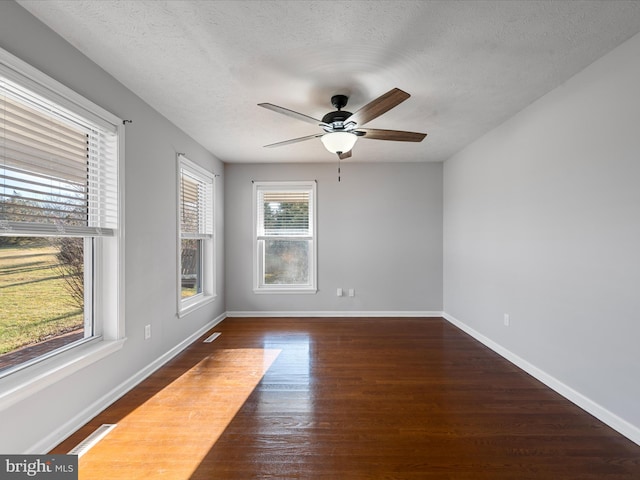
284, 213
58, 170
196, 280
196, 202
61, 159
284, 241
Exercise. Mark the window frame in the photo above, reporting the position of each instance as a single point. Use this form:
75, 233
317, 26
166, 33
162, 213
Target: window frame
107, 252
259, 287
208, 241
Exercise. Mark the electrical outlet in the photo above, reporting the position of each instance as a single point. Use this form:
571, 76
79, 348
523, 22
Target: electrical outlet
507, 320
339, 293
147, 332
352, 292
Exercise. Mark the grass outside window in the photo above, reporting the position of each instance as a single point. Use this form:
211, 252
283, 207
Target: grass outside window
35, 301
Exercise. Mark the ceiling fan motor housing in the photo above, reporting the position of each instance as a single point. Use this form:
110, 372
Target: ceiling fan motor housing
337, 118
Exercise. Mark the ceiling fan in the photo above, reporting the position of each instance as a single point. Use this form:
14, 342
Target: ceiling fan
341, 129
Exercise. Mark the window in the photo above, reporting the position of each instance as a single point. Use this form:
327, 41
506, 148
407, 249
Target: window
195, 207
60, 233
284, 237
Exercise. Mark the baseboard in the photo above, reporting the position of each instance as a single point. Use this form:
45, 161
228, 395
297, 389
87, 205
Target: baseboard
623, 427
325, 313
50, 441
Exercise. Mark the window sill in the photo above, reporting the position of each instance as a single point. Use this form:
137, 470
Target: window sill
186, 308
26, 382
308, 291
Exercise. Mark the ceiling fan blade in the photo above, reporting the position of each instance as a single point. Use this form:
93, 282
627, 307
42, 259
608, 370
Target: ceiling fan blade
294, 140
290, 113
395, 135
344, 155
380, 105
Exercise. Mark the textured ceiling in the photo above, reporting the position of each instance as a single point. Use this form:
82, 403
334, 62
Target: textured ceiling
469, 65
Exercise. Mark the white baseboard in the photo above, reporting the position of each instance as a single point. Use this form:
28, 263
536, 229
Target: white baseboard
326, 313
50, 441
625, 428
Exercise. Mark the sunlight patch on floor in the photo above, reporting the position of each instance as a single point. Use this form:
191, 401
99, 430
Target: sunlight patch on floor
184, 426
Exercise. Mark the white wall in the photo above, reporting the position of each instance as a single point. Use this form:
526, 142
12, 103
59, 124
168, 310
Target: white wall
379, 232
542, 221
150, 246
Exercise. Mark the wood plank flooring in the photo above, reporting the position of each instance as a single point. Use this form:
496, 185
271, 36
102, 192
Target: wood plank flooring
348, 398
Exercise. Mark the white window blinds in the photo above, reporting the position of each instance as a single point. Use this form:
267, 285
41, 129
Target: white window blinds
196, 203
284, 212
58, 170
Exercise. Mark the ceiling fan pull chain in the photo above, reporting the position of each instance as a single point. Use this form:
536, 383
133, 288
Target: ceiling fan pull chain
339, 168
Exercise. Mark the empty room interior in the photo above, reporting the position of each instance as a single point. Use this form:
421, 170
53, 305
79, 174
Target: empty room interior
321, 239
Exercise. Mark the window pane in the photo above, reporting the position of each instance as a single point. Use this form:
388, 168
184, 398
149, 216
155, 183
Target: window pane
56, 168
195, 203
41, 296
286, 262
285, 214
191, 267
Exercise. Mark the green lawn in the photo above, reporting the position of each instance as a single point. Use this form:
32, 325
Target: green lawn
34, 303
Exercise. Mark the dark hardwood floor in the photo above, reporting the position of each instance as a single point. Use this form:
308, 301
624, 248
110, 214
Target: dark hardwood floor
348, 398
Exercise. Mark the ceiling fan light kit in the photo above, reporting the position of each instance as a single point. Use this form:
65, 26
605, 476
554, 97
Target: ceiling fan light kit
343, 128
339, 142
